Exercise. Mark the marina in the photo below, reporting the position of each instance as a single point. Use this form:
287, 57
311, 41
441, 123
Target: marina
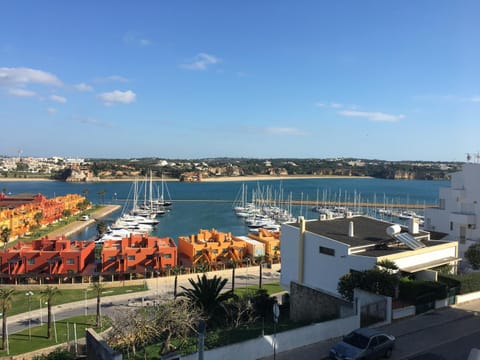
209, 205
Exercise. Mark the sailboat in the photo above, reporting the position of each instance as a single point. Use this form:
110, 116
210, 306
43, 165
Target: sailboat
161, 198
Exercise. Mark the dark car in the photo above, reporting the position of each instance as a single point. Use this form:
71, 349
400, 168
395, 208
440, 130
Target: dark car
363, 343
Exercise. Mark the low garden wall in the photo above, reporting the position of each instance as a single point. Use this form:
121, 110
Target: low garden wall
467, 297
287, 340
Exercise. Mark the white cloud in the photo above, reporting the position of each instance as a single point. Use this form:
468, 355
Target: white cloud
91, 121
117, 96
111, 78
475, 99
374, 116
23, 76
22, 92
52, 111
283, 131
201, 62
332, 105
58, 99
83, 87
135, 38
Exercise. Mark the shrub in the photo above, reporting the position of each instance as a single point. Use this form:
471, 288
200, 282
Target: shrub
473, 256
422, 291
465, 284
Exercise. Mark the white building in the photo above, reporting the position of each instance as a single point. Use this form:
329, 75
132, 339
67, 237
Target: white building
317, 253
458, 213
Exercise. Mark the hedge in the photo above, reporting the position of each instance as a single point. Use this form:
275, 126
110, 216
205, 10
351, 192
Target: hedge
422, 291
465, 284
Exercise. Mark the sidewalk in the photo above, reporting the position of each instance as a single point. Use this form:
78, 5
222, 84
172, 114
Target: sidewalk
399, 328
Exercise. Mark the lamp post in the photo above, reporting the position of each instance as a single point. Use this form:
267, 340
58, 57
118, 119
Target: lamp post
86, 308
41, 311
29, 294
276, 314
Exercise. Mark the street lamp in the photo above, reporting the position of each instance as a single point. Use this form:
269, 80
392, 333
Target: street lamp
29, 294
276, 314
86, 311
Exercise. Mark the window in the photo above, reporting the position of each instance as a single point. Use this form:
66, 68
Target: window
31, 261
111, 258
327, 251
70, 261
131, 257
167, 256
149, 257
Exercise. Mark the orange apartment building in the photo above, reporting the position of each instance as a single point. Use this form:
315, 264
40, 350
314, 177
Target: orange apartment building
17, 213
271, 240
141, 254
49, 259
210, 247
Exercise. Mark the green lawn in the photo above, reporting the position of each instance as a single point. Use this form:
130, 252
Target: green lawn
250, 290
20, 300
20, 343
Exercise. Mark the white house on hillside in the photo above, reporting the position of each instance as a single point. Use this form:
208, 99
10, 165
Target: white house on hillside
317, 253
458, 213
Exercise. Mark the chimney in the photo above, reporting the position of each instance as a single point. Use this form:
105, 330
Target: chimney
412, 226
350, 229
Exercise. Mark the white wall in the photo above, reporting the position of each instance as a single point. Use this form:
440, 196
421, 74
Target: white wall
287, 340
289, 251
321, 271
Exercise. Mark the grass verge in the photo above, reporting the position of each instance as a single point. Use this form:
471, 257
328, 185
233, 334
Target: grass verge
22, 342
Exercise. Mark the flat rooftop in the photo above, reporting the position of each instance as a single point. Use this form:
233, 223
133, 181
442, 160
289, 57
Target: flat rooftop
367, 231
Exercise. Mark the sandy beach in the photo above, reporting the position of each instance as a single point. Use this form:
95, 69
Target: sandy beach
209, 179
269, 177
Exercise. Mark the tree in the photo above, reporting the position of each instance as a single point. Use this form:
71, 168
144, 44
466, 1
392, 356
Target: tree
85, 192
170, 319
207, 295
259, 260
98, 289
176, 270
102, 193
38, 217
49, 293
5, 234
375, 280
233, 264
101, 227
5, 303
473, 255
66, 213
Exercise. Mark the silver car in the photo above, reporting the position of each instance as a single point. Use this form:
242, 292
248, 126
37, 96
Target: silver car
364, 343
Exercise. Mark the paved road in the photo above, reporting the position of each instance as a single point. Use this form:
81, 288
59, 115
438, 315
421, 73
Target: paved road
449, 332
161, 287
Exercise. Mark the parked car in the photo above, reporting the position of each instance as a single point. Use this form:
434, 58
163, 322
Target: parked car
363, 343
85, 217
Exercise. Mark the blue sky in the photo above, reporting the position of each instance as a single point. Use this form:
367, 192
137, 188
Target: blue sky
392, 80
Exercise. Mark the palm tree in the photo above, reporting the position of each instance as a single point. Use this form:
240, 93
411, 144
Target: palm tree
176, 270
85, 192
260, 263
38, 217
5, 235
102, 193
207, 294
5, 303
49, 293
233, 264
98, 289
101, 227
